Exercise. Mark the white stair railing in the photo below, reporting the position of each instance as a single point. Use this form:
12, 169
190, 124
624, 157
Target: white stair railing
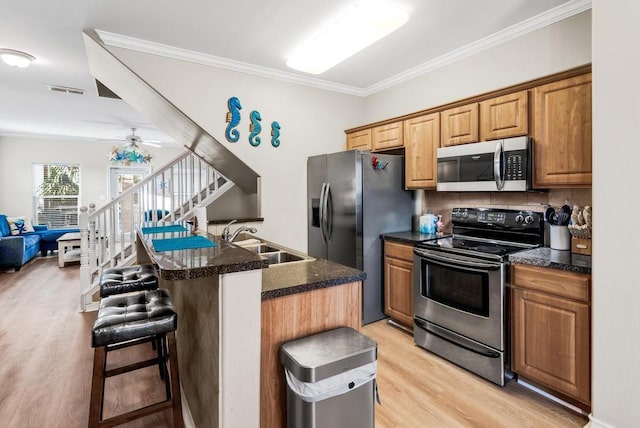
108, 234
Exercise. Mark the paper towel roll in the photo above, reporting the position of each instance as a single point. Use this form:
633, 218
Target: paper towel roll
200, 214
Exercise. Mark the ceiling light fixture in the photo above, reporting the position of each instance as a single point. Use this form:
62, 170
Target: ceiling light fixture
16, 58
358, 28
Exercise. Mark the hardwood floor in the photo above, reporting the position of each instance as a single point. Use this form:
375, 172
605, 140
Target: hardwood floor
420, 389
46, 358
46, 355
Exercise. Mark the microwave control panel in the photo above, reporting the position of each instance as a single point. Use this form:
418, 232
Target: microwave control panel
516, 165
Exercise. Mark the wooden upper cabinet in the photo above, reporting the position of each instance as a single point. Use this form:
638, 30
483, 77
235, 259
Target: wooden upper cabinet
503, 117
421, 141
562, 133
460, 125
386, 137
360, 140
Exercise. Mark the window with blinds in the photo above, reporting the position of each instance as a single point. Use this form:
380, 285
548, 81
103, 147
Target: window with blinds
56, 194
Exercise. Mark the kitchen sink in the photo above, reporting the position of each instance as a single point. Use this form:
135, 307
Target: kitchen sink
260, 248
274, 254
281, 257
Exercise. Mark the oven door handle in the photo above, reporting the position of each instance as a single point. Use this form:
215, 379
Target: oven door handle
454, 262
451, 338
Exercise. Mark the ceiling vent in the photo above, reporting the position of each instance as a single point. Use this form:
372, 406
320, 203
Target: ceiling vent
65, 89
103, 91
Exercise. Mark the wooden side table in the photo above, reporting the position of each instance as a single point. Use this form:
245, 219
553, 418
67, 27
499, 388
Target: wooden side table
68, 248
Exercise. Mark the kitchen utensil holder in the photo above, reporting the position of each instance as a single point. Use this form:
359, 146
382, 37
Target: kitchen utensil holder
559, 237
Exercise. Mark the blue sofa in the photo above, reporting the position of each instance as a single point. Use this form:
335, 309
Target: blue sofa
16, 250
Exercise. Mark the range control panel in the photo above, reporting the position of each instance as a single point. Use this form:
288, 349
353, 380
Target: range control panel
517, 219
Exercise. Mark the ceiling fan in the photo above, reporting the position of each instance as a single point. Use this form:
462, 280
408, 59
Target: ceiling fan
135, 140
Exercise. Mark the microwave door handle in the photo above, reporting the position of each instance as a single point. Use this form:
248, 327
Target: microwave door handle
322, 212
498, 165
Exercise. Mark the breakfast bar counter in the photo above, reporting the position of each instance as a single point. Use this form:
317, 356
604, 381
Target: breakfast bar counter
234, 313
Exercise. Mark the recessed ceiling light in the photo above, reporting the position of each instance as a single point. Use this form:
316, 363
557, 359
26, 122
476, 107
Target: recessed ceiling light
16, 58
358, 28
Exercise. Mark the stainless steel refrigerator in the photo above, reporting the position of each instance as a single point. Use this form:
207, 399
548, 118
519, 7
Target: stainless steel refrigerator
352, 198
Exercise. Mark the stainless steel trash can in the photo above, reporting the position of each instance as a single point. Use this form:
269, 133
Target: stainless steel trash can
330, 380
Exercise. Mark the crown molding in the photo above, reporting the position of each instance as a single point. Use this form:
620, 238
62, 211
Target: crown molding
145, 46
529, 25
517, 30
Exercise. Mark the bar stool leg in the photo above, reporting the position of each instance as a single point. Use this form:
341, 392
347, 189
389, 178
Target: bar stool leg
97, 386
175, 381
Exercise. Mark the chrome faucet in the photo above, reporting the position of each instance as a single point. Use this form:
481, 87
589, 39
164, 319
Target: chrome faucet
230, 237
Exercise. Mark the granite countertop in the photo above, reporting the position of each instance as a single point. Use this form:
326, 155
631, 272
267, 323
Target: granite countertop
277, 280
199, 262
555, 259
298, 277
410, 237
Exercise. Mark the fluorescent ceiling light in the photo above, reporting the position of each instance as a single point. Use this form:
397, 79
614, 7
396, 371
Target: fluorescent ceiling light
16, 58
360, 27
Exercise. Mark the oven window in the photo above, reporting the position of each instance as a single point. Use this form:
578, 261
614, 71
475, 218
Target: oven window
467, 291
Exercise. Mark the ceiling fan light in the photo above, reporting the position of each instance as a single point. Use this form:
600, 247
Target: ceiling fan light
355, 30
16, 58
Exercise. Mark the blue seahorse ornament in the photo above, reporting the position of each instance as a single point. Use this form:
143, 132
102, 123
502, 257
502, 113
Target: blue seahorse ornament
233, 118
275, 134
255, 128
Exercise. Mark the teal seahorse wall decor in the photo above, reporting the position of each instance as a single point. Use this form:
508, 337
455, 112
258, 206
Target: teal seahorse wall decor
275, 134
233, 119
255, 128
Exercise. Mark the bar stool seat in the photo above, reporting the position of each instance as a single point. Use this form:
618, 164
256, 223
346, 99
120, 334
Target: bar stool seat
126, 279
127, 320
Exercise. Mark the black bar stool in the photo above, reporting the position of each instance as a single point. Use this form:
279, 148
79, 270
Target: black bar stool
125, 279
128, 320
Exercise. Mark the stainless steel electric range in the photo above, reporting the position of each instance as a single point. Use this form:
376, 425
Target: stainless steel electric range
461, 288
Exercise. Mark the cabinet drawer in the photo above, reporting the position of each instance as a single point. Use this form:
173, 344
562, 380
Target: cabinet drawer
560, 283
398, 251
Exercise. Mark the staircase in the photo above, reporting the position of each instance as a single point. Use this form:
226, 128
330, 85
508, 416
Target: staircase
108, 234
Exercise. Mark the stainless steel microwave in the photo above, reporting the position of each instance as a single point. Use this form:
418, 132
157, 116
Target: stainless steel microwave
494, 166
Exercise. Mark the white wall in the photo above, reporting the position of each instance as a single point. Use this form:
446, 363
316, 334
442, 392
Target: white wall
616, 255
313, 122
557, 47
17, 154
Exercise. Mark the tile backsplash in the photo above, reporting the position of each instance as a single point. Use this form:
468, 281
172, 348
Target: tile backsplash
443, 202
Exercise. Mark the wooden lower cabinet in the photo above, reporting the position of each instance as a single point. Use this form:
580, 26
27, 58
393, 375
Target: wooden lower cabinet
398, 282
551, 333
291, 317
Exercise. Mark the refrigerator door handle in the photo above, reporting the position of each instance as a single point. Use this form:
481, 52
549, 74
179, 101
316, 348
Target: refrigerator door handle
328, 212
323, 212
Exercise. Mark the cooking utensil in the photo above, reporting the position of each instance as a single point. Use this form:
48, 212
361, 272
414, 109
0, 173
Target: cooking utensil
563, 218
566, 209
548, 214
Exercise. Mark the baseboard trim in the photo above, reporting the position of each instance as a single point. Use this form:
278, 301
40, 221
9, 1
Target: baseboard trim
186, 412
551, 397
597, 423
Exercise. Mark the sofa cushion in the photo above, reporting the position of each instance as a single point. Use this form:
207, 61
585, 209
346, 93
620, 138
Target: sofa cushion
4, 226
20, 225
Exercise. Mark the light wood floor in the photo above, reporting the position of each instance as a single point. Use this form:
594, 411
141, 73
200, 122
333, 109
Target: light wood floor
420, 389
46, 358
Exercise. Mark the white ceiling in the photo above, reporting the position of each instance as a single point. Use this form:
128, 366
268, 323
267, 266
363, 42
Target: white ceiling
237, 34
